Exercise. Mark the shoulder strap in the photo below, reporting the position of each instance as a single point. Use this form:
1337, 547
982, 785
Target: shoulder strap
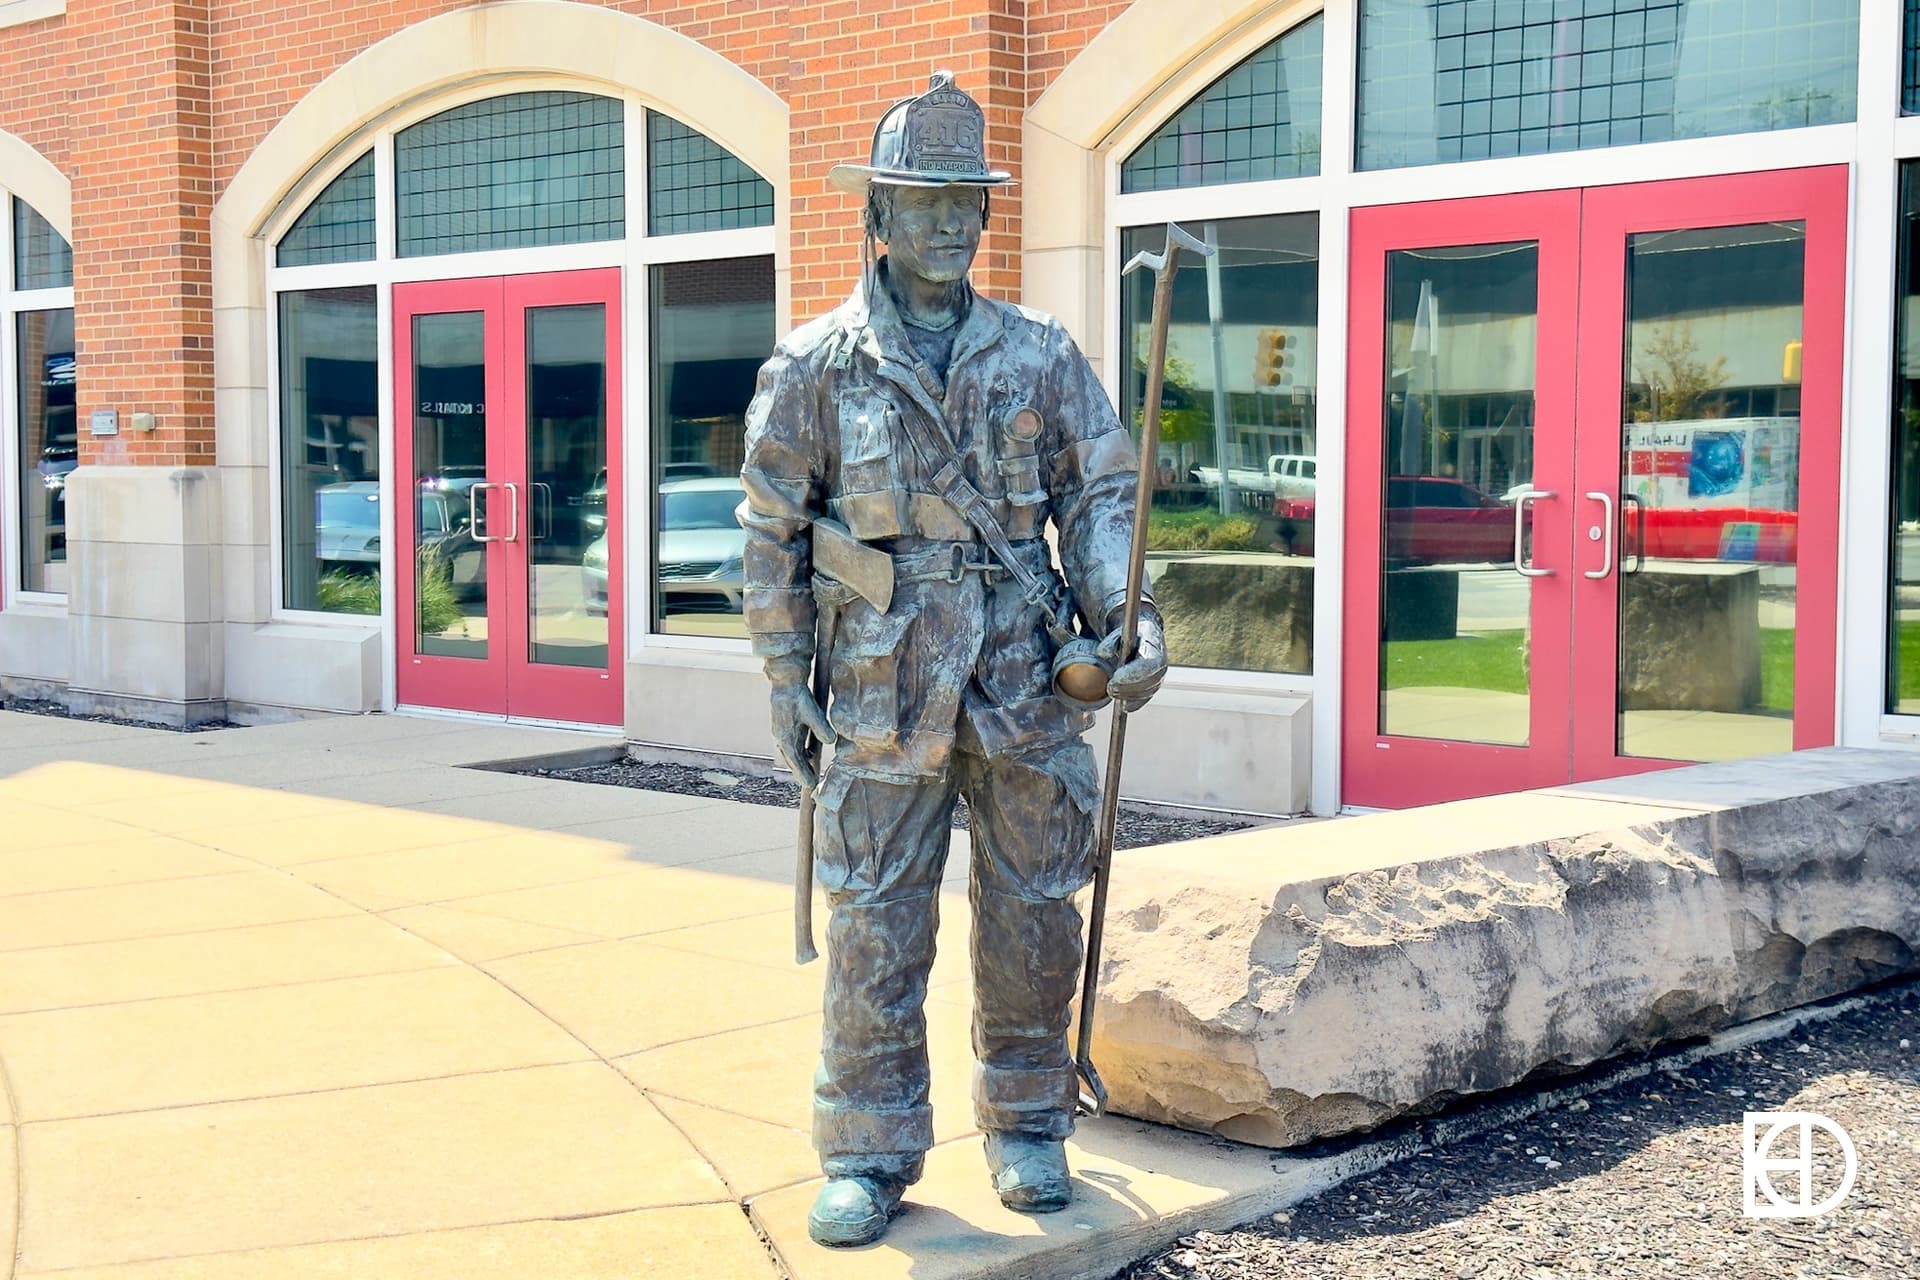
950, 481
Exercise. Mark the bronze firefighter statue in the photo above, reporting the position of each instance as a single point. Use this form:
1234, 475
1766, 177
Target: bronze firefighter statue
905, 455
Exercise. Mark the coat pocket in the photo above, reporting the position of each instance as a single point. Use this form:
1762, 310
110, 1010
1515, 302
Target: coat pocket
869, 493
866, 673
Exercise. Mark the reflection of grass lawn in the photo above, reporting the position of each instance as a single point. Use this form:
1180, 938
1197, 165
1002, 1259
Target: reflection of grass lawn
1496, 660
1485, 660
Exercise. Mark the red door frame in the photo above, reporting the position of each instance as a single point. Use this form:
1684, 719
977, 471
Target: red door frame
1817, 196
1582, 236
460, 684
507, 682
1385, 770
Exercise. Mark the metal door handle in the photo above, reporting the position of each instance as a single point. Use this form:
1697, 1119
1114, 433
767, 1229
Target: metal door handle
1522, 561
542, 511
473, 512
1606, 555
1639, 531
513, 499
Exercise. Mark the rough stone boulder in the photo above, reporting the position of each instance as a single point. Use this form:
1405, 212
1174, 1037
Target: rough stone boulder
1286, 984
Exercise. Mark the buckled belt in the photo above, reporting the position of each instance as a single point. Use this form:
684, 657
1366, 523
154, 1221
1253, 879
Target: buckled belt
948, 561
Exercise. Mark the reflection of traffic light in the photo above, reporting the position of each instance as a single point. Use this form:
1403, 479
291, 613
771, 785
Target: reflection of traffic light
1271, 360
1790, 362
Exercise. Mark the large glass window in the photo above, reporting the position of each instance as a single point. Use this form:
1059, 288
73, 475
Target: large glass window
712, 328
1903, 644
330, 450
337, 226
1446, 80
44, 375
512, 172
1261, 120
1230, 538
49, 445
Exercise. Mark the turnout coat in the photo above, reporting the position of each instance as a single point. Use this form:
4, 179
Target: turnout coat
959, 658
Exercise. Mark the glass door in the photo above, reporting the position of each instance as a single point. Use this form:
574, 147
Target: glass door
1542, 588
1708, 469
1461, 399
509, 544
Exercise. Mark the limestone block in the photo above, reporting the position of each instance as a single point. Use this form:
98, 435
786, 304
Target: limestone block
1288, 984
1690, 637
1239, 612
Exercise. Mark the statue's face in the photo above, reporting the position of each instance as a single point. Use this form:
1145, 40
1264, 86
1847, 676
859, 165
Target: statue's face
933, 232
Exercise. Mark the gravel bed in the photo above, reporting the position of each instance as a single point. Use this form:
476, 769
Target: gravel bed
58, 710
1640, 1180
1136, 826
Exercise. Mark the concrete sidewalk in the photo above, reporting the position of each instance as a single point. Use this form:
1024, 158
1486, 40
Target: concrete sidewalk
313, 1000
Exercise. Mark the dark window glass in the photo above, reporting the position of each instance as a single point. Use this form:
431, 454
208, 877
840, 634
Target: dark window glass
48, 446
330, 450
1230, 539
337, 226
1903, 646
1445, 80
695, 184
1910, 61
42, 258
511, 172
713, 327
1261, 120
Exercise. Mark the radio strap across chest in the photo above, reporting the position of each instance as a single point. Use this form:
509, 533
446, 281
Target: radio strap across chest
949, 480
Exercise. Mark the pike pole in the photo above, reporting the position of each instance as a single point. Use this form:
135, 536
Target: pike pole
1093, 1094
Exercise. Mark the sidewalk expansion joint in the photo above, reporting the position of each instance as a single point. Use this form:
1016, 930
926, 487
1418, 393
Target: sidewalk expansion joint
308, 1093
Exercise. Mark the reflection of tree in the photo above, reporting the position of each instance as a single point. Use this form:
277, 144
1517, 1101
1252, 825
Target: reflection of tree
1679, 386
1184, 416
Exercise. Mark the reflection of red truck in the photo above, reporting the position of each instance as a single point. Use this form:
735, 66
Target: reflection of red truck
1430, 520
1437, 520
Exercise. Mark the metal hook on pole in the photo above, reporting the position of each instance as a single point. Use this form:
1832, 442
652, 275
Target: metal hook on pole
1093, 1093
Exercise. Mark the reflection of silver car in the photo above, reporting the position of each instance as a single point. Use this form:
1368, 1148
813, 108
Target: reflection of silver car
346, 531
593, 574
700, 545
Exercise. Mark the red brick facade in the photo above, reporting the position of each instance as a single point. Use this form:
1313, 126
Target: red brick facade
151, 106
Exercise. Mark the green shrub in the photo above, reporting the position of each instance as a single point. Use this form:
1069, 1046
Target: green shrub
433, 597
1200, 531
343, 592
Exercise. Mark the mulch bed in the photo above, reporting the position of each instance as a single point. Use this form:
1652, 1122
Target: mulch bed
1640, 1180
1135, 827
58, 710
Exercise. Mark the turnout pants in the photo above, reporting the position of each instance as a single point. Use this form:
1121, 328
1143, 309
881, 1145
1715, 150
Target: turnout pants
881, 848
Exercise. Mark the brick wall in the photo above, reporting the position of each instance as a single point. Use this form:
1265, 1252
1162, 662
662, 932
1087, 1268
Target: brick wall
142, 195
36, 65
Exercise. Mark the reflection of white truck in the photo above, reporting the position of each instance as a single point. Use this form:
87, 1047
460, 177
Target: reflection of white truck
1287, 475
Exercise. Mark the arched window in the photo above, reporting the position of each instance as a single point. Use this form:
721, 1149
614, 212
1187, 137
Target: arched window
533, 183
36, 307
1259, 121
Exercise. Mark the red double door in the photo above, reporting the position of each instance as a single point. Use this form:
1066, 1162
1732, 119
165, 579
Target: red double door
1592, 483
509, 548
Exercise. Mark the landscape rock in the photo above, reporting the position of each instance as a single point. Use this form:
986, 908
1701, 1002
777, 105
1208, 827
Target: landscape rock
1291, 983
1241, 611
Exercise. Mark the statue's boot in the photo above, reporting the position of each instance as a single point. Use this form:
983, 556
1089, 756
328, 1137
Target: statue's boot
1029, 1171
853, 1211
